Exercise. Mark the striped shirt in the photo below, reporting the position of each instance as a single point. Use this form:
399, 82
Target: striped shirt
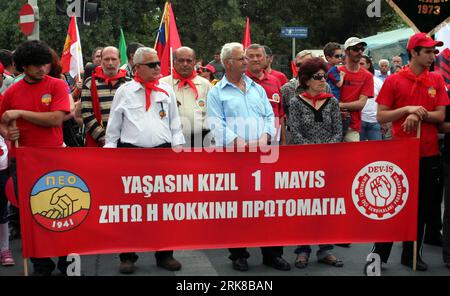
105, 97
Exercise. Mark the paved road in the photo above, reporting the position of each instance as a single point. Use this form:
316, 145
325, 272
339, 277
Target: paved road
215, 262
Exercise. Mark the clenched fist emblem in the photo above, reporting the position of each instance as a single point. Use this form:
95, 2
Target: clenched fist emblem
381, 190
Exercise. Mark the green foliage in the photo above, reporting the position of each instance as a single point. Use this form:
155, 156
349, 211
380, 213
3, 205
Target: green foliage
206, 25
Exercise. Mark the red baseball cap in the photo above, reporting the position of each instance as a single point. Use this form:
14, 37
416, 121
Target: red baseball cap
208, 67
422, 39
2, 69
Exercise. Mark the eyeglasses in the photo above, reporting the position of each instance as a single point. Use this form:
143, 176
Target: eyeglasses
338, 56
357, 48
153, 65
319, 76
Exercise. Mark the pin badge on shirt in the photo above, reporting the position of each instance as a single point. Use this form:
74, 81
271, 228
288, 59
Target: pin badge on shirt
201, 103
162, 113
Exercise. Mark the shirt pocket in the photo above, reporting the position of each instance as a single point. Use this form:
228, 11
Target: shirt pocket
136, 112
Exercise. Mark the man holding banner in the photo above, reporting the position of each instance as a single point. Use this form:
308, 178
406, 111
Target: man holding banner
144, 114
38, 104
414, 99
240, 115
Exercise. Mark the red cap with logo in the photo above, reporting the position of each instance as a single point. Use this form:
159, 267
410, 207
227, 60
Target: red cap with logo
422, 39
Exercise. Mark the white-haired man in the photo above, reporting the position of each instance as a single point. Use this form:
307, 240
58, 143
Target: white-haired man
144, 114
237, 98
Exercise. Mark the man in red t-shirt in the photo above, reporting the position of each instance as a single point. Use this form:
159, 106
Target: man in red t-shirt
271, 85
278, 75
32, 112
357, 87
411, 97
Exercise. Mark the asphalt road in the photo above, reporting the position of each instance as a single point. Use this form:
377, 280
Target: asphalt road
216, 263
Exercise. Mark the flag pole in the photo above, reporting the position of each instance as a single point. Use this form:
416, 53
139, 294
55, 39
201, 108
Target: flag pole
160, 23
79, 45
419, 127
25, 260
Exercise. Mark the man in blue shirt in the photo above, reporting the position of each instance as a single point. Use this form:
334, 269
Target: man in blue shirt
240, 115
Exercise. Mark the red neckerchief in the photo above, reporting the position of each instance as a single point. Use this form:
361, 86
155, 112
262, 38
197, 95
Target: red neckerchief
98, 73
423, 78
188, 81
314, 99
149, 87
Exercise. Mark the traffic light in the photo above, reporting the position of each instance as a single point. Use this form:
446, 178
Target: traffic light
91, 11
87, 11
61, 7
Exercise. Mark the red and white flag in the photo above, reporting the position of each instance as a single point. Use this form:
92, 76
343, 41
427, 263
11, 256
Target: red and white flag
72, 57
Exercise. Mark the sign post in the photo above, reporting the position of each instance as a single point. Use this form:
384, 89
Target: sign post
294, 32
29, 20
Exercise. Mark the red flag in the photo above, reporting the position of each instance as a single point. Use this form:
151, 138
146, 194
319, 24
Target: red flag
72, 57
294, 69
246, 41
167, 39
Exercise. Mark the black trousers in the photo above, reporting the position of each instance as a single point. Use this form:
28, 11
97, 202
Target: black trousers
159, 254
446, 220
427, 189
433, 218
267, 252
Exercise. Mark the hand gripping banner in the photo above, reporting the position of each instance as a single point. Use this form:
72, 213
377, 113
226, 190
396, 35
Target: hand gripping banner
94, 200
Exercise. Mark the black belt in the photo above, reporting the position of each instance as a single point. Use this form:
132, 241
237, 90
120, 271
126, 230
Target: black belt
128, 145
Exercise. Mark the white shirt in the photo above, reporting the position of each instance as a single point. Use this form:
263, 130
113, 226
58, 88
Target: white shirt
192, 110
130, 123
369, 112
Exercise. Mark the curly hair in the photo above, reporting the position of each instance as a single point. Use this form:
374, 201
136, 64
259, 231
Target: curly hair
32, 52
55, 65
309, 68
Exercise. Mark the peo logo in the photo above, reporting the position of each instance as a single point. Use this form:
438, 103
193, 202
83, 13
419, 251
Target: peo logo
60, 201
380, 190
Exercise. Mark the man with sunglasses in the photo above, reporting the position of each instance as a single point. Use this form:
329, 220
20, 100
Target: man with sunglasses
357, 87
191, 91
144, 114
97, 95
408, 98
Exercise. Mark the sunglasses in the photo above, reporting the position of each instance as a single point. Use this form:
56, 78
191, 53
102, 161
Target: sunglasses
357, 48
153, 65
338, 56
319, 76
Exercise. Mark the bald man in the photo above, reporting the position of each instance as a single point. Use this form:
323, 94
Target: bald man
97, 95
191, 91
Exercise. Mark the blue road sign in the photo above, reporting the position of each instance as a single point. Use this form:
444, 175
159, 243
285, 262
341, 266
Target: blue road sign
294, 32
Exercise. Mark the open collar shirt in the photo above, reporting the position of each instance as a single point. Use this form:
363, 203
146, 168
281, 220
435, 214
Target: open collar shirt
131, 123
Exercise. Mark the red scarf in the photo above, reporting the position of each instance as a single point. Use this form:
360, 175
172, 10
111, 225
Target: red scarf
319, 97
98, 73
188, 81
423, 78
149, 87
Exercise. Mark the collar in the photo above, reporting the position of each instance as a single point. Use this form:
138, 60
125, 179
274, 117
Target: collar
224, 81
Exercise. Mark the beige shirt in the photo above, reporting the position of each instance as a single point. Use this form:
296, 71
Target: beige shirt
192, 111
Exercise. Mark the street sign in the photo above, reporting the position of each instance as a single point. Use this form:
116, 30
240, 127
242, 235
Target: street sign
27, 19
294, 32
